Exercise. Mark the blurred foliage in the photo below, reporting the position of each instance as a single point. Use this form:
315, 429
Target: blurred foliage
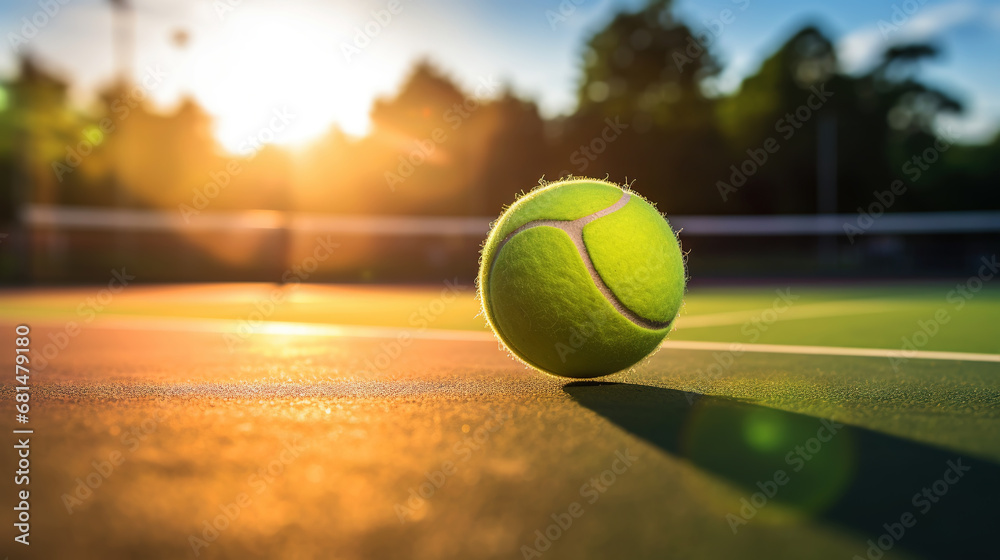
647, 111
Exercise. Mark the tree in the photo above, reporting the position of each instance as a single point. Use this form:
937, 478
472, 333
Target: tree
643, 113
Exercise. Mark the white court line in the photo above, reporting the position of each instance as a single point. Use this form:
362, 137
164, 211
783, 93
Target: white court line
126, 322
828, 351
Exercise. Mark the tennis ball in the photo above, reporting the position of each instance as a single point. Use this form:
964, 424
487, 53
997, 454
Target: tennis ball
581, 278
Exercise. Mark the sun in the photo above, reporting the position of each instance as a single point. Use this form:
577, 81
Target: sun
269, 77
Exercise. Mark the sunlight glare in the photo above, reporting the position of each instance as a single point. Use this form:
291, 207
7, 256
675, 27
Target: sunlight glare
249, 79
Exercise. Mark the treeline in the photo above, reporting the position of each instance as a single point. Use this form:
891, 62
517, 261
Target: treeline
647, 113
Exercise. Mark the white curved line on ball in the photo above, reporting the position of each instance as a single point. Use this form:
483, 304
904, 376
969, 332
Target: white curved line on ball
574, 229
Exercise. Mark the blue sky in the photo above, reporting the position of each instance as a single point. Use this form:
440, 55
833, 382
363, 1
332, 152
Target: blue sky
246, 59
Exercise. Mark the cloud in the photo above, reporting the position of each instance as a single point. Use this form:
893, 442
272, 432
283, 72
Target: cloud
902, 23
859, 48
994, 18
935, 20
976, 127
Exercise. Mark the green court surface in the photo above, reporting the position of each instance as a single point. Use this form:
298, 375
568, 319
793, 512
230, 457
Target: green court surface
869, 316
384, 422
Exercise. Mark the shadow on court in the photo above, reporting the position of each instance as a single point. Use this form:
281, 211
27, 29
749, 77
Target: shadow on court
868, 482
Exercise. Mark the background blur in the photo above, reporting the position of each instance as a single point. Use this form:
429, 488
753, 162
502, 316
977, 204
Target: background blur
202, 141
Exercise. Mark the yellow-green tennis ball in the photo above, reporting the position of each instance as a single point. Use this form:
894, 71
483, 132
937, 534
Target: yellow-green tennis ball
581, 278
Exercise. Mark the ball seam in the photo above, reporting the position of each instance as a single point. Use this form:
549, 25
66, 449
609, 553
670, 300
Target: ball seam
574, 229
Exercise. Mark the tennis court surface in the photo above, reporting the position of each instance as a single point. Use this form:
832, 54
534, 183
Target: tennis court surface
263, 421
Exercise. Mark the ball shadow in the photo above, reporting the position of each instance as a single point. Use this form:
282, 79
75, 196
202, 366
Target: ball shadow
857, 478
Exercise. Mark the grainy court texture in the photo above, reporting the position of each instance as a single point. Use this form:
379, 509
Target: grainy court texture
350, 422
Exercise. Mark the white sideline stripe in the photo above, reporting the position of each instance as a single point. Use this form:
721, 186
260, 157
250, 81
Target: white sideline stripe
828, 351
126, 322
478, 226
808, 311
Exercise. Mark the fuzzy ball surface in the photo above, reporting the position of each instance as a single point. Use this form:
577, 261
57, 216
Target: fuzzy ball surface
581, 278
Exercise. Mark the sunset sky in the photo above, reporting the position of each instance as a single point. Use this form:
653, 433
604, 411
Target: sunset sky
246, 59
